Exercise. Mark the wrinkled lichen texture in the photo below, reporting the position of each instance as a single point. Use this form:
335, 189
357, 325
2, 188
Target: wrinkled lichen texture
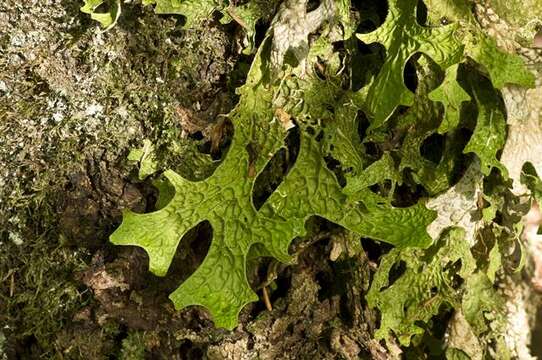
309, 189
368, 117
74, 102
280, 94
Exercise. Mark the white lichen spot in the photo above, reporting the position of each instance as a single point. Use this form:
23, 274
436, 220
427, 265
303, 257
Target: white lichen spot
58, 117
292, 26
122, 111
460, 335
16, 238
455, 206
93, 109
524, 142
18, 40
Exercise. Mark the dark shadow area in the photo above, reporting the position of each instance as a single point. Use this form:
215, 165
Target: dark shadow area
276, 169
261, 30
372, 14
433, 147
375, 249
406, 195
189, 255
190, 351
313, 5
363, 124
366, 60
396, 271
460, 139
421, 13
410, 77
432, 343
336, 168
536, 337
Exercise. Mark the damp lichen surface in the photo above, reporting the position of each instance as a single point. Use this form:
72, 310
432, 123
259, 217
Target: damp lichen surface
362, 166
294, 86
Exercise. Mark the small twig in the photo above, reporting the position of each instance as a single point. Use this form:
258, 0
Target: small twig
266, 300
11, 271
12, 285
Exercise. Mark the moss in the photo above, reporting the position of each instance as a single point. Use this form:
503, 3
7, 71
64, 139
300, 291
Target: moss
518, 12
70, 115
41, 296
133, 346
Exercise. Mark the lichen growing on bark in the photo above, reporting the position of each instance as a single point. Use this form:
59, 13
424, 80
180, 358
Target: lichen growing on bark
75, 109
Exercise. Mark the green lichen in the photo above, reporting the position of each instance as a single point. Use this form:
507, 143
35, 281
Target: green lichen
107, 19
224, 200
403, 37
333, 175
